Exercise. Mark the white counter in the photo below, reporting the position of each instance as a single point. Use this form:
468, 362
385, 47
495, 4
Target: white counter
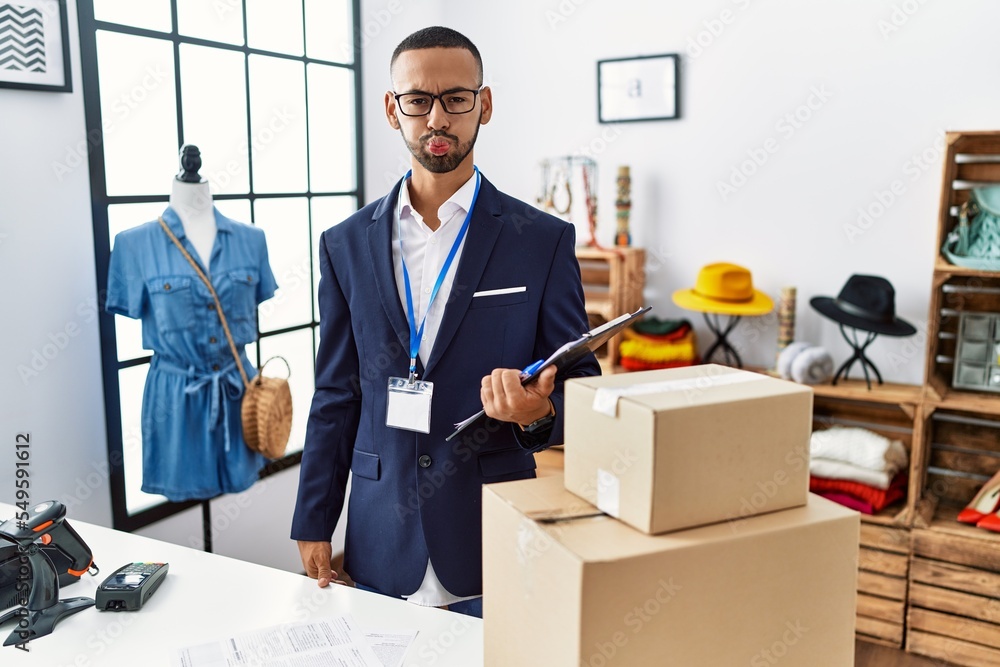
206, 597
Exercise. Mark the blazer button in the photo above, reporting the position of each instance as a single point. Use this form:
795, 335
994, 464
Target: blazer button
215, 367
424, 461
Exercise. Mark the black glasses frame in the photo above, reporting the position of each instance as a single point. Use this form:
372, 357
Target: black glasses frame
475, 94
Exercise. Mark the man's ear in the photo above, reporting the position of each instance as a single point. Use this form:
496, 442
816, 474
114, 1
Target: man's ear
486, 99
390, 110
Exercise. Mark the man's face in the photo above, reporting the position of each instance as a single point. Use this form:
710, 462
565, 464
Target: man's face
439, 141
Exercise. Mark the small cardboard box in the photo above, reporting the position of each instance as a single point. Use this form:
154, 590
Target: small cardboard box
565, 585
671, 449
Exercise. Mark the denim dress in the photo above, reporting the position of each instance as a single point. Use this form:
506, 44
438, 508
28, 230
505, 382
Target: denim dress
192, 437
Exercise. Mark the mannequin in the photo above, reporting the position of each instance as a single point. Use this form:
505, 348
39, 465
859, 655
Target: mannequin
191, 199
192, 436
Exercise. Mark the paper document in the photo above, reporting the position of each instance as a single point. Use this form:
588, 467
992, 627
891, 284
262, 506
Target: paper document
390, 647
316, 643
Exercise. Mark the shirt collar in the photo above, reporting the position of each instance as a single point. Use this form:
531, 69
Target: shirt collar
460, 201
222, 223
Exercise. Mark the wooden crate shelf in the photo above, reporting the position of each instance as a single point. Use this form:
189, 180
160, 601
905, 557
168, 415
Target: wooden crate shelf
892, 410
613, 282
954, 595
883, 569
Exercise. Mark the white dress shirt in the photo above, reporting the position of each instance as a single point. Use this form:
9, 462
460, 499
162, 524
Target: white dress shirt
426, 252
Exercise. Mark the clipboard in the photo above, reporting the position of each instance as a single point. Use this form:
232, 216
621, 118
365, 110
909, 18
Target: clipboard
566, 356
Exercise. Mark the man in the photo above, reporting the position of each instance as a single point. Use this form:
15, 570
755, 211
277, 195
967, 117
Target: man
444, 282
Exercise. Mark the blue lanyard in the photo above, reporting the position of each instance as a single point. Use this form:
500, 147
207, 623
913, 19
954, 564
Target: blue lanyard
417, 333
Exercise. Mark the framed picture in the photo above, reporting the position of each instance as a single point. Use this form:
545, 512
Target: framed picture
641, 88
34, 45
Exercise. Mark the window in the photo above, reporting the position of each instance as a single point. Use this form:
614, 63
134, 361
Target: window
269, 92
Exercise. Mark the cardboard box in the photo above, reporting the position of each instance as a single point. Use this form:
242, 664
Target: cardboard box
565, 585
671, 449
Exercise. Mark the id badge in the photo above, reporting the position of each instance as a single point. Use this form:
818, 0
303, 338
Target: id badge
409, 405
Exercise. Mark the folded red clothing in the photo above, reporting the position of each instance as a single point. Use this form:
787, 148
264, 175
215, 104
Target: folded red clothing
879, 499
630, 364
848, 501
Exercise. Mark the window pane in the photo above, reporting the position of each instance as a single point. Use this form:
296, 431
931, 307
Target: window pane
213, 98
277, 125
128, 338
326, 212
220, 21
139, 111
235, 209
286, 224
275, 25
152, 14
297, 348
127, 216
131, 382
331, 128
328, 30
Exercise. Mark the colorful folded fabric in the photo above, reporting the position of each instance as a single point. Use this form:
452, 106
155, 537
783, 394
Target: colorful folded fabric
859, 447
676, 334
630, 364
879, 499
652, 326
684, 349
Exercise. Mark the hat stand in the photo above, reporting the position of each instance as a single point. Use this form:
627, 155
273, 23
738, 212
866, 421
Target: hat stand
721, 343
859, 348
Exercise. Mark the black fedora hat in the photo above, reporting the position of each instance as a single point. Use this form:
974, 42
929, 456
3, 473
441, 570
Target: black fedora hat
867, 303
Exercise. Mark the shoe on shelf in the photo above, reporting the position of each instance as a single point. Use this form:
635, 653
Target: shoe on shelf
985, 504
990, 522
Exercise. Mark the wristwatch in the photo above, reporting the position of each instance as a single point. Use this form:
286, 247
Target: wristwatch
541, 423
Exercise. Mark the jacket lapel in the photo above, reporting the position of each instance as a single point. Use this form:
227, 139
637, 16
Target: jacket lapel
484, 228
380, 253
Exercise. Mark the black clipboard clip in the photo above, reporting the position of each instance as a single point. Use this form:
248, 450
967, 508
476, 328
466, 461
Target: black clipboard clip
566, 356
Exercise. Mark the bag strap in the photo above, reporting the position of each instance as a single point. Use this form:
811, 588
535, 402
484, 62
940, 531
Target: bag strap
218, 304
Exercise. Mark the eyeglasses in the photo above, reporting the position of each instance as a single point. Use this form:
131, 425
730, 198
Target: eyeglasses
420, 104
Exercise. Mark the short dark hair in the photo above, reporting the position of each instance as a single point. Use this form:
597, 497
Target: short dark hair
436, 37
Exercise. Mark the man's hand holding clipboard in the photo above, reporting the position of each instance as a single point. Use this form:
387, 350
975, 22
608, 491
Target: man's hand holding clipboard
566, 356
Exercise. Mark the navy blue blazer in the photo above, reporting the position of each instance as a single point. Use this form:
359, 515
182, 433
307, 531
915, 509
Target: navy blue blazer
413, 495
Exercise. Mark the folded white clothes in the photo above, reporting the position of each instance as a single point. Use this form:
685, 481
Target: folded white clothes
830, 469
859, 447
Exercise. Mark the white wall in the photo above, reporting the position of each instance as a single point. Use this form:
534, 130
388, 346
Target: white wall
51, 364
892, 89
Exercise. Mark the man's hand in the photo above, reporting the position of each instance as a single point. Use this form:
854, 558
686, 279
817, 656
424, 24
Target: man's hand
316, 557
504, 397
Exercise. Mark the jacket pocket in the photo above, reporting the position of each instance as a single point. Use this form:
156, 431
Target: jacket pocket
496, 300
172, 301
505, 462
366, 464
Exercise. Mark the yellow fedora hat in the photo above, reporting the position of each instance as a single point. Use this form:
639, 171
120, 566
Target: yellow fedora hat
726, 289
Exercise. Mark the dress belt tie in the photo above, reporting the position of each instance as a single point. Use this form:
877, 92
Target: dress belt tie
224, 385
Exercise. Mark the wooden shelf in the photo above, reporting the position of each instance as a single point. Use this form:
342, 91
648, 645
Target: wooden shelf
965, 401
893, 516
955, 568
946, 269
613, 281
944, 521
857, 390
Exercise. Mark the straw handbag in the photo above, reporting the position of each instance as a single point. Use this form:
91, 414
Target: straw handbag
266, 410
